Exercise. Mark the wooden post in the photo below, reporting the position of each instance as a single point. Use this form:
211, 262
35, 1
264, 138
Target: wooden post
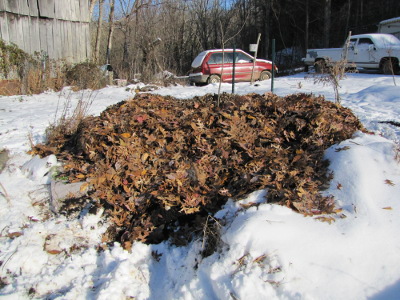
255, 58
273, 66
233, 70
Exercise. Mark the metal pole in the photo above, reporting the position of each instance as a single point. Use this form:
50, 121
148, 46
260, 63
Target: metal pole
234, 66
273, 65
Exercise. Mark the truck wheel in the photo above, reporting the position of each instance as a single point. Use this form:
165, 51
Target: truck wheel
213, 79
265, 75
320, 66
389, 67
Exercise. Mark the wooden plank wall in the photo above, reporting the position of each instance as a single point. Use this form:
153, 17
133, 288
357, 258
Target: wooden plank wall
60, 29
33, 8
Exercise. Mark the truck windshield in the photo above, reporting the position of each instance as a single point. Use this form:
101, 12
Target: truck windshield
199, 59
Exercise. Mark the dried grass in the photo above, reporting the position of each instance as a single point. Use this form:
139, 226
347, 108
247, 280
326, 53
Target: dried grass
86, 76
333, 72
67, 124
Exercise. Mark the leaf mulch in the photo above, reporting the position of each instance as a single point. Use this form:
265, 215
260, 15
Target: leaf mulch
160, 165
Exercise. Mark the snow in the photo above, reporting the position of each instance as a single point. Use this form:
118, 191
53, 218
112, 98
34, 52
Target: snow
388, 21
39, 168
267, 252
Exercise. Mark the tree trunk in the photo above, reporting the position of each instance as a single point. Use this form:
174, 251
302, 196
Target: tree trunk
125, 53
91, 7
327, 22
347, 28
111, 30
98, 34
359, 13
307, 27
266, 27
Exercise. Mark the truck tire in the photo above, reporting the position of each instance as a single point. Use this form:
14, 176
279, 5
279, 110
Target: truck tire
213, 79
389, 66
265, 75
320, 66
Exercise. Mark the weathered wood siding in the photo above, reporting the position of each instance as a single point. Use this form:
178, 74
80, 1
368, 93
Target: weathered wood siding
58, 28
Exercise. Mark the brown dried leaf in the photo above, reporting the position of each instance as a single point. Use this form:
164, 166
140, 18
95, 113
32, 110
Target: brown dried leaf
342, 148
387, 208
14, 234
389, 182
125, 135
54, 252
325, 219
84, 187
260, 259
248, 205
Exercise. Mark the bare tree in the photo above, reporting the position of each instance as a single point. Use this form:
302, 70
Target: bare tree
266, 6
98, 34
223, 43
92, 3
327, 22
307, 26
189, 27
348, 12
110, 30
124, 37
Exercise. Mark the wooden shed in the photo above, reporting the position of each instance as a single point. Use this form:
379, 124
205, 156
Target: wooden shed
391, 26
57, 28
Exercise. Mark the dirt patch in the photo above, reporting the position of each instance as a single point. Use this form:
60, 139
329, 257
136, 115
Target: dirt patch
160, 165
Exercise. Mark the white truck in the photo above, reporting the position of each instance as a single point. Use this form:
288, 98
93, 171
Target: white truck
369, 51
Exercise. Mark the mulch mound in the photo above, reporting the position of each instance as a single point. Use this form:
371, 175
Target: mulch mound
160, 166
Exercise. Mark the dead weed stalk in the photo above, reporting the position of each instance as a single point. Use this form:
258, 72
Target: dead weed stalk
333, 72
67, 124
211, 236
5, 194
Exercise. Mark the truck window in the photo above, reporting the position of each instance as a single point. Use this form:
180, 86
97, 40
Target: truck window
352, 43
242, 58
216, 58
199, 59
364, 42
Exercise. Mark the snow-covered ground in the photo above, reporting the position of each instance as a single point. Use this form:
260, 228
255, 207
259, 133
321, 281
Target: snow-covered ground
268, 252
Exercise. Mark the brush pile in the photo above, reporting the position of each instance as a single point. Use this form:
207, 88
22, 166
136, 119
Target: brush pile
160, 165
